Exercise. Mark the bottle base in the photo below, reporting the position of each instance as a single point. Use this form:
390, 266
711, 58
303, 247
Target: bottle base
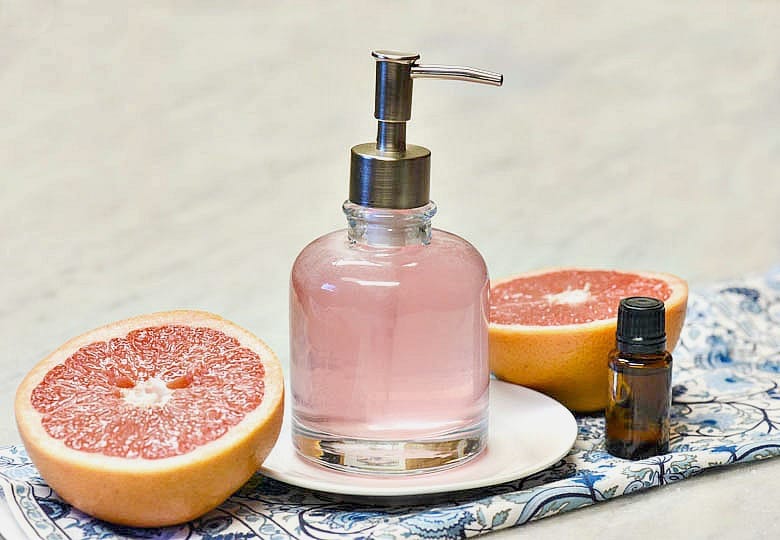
396, 457
635, 450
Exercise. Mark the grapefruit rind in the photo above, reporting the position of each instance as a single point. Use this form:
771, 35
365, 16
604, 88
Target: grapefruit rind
154, 492
569, 362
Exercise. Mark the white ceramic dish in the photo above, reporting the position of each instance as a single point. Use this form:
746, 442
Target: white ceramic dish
528, 432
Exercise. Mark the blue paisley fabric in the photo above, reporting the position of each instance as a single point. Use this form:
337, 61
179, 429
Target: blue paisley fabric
726, 410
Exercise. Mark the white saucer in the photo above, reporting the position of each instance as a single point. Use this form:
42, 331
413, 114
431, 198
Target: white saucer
528, 432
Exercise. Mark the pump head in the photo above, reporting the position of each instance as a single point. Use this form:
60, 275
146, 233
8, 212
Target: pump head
391, 173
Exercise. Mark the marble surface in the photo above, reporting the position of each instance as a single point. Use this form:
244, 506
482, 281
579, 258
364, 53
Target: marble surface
166, 155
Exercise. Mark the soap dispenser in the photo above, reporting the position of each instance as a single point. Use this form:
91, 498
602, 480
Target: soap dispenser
388, 318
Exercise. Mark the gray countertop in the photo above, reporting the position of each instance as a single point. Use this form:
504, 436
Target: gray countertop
157, 156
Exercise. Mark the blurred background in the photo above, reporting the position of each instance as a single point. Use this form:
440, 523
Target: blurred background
159, 155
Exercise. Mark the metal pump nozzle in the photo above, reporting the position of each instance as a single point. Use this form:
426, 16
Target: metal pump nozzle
390, 173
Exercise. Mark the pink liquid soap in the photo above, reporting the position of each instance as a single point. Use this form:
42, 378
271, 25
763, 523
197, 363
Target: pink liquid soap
389, 344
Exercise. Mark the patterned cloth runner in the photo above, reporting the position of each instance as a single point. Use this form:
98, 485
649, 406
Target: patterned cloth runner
726, 411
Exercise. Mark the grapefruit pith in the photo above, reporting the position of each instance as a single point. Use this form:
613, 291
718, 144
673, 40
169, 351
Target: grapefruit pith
153, 420
552, 330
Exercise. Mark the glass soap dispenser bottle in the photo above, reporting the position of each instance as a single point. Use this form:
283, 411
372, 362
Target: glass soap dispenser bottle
388, 318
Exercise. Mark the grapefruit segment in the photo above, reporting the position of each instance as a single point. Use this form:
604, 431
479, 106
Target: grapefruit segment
552, 330
153, 420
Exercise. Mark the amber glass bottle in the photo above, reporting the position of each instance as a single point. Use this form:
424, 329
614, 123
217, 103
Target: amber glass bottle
640, 381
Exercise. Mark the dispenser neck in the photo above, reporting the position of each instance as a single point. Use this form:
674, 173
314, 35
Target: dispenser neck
387, 228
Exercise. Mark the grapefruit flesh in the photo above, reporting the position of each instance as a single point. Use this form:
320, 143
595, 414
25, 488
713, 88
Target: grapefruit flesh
552, 330
155, 420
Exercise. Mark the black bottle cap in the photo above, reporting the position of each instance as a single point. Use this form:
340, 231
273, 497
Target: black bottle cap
641, 325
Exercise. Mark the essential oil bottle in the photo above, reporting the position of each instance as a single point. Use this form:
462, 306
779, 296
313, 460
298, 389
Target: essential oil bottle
640, 381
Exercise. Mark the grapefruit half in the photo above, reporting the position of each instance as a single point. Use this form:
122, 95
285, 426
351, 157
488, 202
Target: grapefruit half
153, 420
551, 330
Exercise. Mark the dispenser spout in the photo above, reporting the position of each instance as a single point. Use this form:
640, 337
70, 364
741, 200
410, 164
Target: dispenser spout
457, 73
